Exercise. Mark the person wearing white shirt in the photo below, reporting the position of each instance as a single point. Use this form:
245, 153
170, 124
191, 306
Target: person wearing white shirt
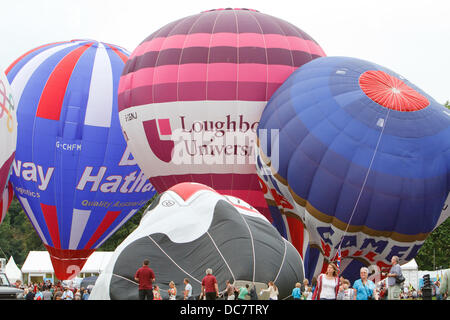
67, 295
187, 290
273, 291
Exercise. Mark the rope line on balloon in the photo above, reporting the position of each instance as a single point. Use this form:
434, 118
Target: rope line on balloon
282, 261
173, 261
252, 241
220, 253
122, 277
363, 186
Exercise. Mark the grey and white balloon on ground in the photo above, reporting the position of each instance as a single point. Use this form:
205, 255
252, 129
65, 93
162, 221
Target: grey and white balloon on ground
190, 228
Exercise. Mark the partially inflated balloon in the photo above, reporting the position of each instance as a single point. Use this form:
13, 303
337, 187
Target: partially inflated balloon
190, 228
192, 93
8, 130
73, 174
362, 159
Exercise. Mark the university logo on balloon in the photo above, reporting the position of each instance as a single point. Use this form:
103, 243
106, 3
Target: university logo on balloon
192, 93
73, 173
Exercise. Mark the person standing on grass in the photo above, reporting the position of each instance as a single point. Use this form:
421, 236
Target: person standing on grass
210, 289
145, 277
394, 289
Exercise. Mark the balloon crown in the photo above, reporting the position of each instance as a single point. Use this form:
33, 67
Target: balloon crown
219, 9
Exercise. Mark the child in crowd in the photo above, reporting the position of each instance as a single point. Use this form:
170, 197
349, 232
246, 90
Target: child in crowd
345, 292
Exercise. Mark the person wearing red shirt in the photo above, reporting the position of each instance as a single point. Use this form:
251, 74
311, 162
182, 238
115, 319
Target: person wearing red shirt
210, 289
145, 277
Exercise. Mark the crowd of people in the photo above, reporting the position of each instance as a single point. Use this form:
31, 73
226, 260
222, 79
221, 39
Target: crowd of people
327, 286
48, 291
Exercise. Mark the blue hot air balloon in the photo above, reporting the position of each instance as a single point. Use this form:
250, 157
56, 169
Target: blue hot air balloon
72, 173
361, 158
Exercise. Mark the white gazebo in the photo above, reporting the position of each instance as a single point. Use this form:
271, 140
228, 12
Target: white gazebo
12, 271
38, 266
410, 271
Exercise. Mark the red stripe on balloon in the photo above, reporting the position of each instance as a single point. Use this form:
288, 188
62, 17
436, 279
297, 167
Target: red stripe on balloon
119, 53
296, 230
228, 39
243, 182
52, 98
324, 267
201, 72
107, 221
196, 91
51, 220
27, 53
256, 196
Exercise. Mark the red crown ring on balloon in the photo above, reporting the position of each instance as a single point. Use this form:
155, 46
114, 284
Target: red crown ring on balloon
391, 92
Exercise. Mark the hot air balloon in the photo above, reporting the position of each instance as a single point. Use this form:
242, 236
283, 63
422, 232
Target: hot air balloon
73, 173
190, 228
362, 156
192, 93
8, 137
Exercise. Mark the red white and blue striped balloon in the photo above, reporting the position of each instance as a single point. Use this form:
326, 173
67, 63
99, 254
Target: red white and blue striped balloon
73, 174
192, 93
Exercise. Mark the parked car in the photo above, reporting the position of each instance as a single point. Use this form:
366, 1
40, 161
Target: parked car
8, 291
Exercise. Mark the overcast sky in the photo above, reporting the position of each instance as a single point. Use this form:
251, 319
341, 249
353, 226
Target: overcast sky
411, 37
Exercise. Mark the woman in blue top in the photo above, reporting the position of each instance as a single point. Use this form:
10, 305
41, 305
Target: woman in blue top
364, 287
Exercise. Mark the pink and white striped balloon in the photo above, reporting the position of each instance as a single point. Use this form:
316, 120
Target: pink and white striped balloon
192, 93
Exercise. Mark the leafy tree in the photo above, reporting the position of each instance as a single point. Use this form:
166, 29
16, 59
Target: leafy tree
435, 251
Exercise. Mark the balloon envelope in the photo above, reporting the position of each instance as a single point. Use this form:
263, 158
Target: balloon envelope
361, 156
190, 228
8, 130
192, 93
73, 174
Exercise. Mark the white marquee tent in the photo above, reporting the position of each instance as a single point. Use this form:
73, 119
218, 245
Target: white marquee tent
12, 271
38, 266
411, 273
